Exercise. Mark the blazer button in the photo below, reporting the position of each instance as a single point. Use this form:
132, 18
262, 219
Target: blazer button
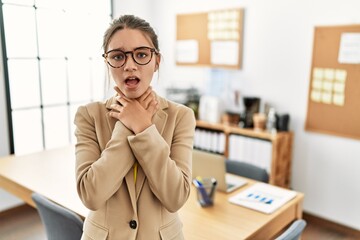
133, 224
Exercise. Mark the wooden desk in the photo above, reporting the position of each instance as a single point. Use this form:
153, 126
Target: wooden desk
52, 174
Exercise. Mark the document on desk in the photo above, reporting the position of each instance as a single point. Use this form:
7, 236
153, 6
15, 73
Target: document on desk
263, 197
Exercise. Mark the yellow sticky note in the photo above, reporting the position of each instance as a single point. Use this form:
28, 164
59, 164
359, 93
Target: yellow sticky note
235, 15
317, 84
339, 99
211, 26
318, 73
327, 86
340, 75
234, 35
315, 96
211, 35
211, 16
326, 97
329, 74
339, 87
234, 24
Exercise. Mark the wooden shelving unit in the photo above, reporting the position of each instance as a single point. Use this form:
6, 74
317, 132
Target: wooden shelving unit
281, 148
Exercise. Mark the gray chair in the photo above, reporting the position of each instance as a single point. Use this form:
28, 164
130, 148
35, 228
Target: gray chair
59, 222
247, 170
294, 231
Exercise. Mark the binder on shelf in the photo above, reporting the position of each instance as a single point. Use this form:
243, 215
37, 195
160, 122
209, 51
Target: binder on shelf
212, 141
221, 147
251, 150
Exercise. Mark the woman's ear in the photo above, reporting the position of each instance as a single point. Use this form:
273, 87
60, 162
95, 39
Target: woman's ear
158, 58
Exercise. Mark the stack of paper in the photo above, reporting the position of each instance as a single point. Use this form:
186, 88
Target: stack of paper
263, 197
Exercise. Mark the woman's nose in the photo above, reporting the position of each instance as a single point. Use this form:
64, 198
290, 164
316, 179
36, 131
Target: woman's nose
130, 64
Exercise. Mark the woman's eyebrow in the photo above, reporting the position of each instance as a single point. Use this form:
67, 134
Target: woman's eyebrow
123, 49
117, 49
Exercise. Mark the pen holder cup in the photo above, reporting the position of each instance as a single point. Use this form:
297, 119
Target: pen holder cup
205, 191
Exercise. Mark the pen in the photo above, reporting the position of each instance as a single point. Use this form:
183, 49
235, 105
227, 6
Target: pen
199, 179
214, 182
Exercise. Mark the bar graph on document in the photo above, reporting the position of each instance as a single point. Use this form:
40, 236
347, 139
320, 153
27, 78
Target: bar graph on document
251, 150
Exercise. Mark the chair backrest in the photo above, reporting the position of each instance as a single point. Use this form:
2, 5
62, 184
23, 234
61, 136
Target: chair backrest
59, 222
294, 231
247, 170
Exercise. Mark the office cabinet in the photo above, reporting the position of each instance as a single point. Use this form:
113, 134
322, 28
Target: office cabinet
247, 145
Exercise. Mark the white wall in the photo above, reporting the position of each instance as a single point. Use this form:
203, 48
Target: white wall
6, 200
278, 39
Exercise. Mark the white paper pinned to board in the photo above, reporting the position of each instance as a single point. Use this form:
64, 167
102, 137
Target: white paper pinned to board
225, 53
187, 51
349, 51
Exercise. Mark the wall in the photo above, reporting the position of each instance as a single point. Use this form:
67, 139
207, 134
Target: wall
278, 38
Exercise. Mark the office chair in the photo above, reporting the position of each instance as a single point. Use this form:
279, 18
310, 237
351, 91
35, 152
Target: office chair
294, 231
247, 170
59, 222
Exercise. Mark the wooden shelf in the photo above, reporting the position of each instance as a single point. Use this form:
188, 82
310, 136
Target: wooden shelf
281, 148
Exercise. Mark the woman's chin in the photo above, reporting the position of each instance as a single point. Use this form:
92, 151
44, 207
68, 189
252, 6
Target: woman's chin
132, 94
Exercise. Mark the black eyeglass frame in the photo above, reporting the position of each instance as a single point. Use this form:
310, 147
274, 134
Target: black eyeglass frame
152, 51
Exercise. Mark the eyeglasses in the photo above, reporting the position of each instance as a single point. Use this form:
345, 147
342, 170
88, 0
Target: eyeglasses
117, 58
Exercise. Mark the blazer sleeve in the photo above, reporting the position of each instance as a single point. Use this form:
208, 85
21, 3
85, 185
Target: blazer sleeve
99, 174
167, 168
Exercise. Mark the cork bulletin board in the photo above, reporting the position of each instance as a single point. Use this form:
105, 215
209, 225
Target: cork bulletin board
212, 39
334, 89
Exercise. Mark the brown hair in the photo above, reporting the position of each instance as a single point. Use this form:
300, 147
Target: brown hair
130, 22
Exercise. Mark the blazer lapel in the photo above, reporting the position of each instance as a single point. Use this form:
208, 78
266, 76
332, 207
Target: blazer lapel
159, 119
139, 181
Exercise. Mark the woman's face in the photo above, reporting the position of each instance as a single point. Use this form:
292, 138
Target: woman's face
132, 79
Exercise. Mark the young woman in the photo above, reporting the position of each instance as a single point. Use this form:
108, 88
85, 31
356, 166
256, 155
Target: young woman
133, 151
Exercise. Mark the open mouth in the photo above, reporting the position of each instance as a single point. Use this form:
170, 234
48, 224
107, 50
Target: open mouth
132, 81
